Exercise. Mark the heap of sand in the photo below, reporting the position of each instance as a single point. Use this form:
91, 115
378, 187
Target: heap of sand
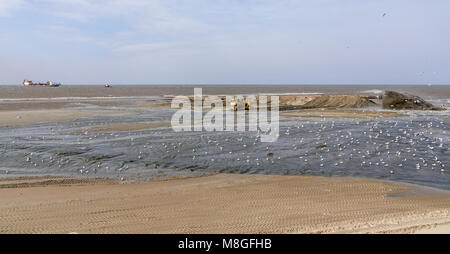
325, 101
341, 113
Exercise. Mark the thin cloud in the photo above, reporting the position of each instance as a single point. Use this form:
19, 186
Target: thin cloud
66, 33
140, 47
229, 41
7, 6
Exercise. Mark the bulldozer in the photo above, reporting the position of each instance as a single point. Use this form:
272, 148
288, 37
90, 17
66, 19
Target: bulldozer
238, 103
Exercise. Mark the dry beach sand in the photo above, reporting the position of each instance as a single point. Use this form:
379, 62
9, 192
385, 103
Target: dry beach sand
222, 203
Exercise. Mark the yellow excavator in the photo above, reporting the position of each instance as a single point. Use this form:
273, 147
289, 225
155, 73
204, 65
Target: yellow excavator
237, 102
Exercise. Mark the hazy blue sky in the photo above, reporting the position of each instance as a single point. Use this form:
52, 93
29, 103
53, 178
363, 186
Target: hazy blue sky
225, 41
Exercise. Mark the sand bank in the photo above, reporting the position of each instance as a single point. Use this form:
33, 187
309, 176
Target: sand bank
325, 101
153, 104
345, 113
221, 203
16, 91
25, 117
127, 127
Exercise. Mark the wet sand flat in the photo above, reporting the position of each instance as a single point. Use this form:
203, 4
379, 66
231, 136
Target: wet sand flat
127, 127
26, 117
223, 203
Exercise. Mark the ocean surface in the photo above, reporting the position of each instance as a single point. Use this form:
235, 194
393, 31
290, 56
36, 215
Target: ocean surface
11, 92
412, 148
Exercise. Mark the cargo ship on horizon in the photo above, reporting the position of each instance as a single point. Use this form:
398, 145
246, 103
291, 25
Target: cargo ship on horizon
27, 82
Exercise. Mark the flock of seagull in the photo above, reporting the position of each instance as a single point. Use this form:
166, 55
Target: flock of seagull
382, 147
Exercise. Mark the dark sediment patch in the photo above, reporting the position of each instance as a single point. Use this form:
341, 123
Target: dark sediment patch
395, 100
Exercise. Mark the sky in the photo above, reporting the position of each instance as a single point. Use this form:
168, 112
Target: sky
225, 41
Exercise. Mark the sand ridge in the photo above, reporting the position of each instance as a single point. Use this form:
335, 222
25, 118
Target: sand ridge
27, 117
341, 113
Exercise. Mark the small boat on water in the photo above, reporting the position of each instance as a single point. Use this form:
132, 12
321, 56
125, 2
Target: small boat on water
28, 82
